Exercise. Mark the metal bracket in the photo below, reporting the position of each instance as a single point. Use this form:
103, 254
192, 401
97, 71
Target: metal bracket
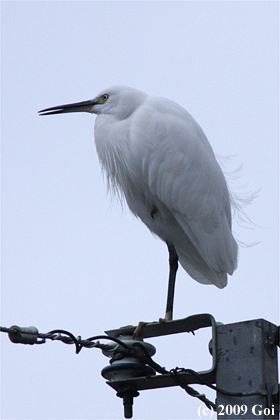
273, 395
189, 324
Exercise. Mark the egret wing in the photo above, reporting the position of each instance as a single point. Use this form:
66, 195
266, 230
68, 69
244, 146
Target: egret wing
180, 169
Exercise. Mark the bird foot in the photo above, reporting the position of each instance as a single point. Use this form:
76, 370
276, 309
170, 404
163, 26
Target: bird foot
139, 327
141, 324
168, 317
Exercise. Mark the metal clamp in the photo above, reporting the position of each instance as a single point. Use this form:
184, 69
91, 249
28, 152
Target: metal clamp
23, 335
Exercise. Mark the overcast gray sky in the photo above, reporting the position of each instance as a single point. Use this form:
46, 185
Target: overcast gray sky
74, 259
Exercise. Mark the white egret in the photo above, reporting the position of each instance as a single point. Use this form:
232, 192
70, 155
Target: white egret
158, 157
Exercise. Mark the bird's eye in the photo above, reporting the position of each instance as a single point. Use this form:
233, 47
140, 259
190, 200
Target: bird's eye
105, 97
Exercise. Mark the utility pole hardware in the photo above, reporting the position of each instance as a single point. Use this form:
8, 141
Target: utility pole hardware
244, 371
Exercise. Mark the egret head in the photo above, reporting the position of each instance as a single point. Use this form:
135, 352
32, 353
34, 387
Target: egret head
119, 101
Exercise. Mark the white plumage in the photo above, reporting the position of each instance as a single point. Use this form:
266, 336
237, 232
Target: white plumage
158, 157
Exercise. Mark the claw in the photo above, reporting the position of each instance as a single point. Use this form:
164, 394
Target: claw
139, 327
141, 324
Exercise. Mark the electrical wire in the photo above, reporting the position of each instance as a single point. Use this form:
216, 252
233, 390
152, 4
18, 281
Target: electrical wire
174, 373
137, 351
60, 335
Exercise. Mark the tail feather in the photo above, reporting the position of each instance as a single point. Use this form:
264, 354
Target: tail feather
203, 274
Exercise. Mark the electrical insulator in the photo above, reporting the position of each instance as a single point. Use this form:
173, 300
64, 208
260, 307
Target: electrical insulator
124, 367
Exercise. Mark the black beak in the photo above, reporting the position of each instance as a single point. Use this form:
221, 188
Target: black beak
85, 106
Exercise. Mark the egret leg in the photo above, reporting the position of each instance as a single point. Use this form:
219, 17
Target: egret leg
173, 267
